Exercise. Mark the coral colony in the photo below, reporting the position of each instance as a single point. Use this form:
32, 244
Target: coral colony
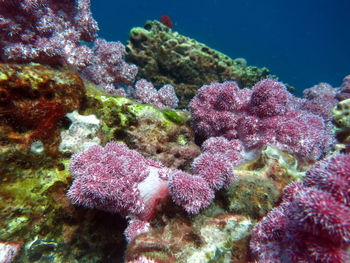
312, 223
167, 171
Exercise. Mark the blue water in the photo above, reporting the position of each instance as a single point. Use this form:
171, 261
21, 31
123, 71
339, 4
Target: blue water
302, 42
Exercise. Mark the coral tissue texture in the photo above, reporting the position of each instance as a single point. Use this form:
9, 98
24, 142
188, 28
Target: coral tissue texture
312, 224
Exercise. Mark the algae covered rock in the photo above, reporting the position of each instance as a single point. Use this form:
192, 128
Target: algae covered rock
34, 98
35, 212
252, 196
33, 101
341, 120
260, 182
167, 57
163, 135
219, 238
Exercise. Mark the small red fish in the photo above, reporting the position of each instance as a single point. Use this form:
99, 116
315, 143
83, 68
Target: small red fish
166, 20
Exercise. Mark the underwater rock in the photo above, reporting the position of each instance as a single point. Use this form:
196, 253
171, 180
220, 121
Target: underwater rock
162, 135
252, 196
221, 238
167, 57
81, 134
341, 120
35, 212
33, 100
276, 166
260, 182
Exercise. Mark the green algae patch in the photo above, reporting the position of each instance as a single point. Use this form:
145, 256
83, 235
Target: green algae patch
35, 212
173, 116
25, 199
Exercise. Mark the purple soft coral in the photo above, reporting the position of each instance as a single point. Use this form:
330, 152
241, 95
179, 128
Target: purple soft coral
312, 224
51, 32
145, 92
267, 114
117, 179
108, 66
47, 31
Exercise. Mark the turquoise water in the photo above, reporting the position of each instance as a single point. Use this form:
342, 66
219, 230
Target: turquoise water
302, 42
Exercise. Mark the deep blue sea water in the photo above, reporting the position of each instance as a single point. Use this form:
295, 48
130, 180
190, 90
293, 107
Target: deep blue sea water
302, 42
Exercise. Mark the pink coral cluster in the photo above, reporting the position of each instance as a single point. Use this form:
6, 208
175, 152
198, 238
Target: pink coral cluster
50, 32
215, 164
117, 179
312, 224
108, 66
190, 192
212, 170
320, 100
265, 115
46, 32
145, 92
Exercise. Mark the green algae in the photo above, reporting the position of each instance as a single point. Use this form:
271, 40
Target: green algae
173, 116
118, 114
24, 197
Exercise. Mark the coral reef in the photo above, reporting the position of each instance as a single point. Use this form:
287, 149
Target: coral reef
312, 224
267, 114
70, 148
163, 135
167, 57
34, 208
